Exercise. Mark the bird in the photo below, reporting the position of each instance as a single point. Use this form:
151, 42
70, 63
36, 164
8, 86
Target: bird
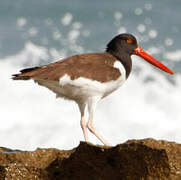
88, 78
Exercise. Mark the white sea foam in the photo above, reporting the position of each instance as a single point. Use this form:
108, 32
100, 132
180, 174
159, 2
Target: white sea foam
67, 19
153, 33
33, 31
118, 15
73, 35
77, 25
138, 11
141, 28
31, 117
122, 30
148, 6
21, 22
56, 35
173, 55
31, 55
168, 42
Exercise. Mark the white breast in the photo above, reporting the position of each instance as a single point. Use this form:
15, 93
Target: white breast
115, 84
83, 88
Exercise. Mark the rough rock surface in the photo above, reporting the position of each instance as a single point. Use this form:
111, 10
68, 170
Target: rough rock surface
146, 159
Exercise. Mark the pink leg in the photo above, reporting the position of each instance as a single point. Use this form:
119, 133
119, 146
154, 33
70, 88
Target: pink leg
82, 121
91, 108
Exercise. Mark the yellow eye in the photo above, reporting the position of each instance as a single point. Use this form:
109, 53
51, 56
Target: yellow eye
129, 41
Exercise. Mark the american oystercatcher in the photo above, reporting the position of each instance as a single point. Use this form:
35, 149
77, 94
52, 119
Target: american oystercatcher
87, 78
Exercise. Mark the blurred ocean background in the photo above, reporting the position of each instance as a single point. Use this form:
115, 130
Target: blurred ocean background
38, 32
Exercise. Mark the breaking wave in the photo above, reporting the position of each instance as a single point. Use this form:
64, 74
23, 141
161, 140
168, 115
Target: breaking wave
147, 105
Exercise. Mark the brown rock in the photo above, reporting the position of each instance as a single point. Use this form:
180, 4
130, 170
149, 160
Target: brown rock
146, 159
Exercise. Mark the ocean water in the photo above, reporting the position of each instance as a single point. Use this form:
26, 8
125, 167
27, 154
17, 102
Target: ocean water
37, 32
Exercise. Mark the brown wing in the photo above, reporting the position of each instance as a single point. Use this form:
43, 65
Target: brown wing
95, 66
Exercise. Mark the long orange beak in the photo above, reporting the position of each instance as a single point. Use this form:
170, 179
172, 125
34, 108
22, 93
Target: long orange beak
140, 52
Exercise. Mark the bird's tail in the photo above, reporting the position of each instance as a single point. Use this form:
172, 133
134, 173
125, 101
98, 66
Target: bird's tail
25, 74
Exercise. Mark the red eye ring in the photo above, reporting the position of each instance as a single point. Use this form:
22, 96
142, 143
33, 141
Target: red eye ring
129, 41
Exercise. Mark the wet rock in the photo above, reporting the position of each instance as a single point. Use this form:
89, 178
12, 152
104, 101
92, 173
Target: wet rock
146, 159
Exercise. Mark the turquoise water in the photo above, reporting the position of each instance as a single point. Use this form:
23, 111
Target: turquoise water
96, 17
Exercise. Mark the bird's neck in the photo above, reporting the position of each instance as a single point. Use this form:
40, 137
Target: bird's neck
124, 58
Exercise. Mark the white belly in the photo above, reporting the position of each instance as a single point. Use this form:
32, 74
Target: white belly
82, 88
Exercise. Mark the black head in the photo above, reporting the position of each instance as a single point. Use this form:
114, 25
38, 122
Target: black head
122, 43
